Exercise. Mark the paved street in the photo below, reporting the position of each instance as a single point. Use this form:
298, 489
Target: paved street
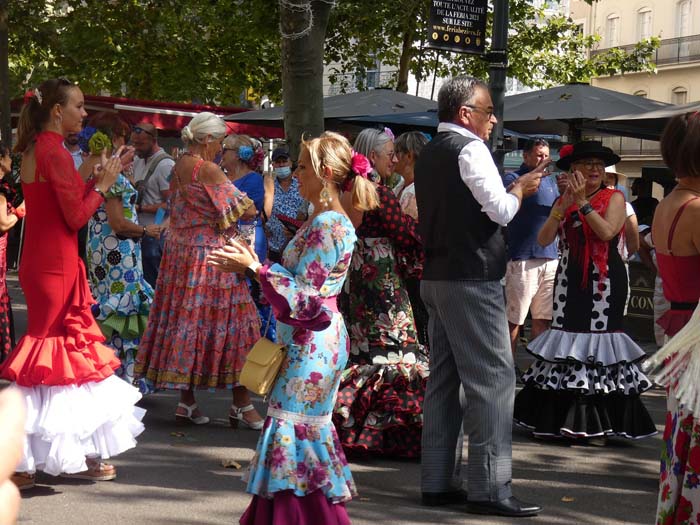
175, 476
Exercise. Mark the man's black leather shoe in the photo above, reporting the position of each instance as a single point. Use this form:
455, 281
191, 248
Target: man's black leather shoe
511, 507
439, 499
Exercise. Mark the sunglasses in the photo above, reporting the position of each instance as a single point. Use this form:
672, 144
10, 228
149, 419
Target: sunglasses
138, 130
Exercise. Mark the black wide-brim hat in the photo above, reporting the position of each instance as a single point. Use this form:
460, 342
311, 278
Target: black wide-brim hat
588, 149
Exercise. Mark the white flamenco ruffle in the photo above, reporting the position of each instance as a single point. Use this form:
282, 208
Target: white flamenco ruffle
677, 364
67, 423
623, 378
595, 348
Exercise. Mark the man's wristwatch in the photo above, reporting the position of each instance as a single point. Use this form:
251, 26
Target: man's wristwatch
251, 272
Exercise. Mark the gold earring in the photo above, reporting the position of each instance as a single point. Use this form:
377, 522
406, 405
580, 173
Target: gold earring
325, 196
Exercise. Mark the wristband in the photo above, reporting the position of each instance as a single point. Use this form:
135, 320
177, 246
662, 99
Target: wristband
143, 233
586, 208
251, 272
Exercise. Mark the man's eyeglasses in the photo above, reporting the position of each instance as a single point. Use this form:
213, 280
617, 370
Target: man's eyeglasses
488, 113
138, 130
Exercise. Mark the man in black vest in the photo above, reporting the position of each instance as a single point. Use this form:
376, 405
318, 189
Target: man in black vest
462, 206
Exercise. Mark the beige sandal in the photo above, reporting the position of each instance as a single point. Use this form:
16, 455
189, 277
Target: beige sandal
23, 480
95, 472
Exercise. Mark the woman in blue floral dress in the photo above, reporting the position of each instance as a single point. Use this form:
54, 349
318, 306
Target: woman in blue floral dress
299, 474
115, 271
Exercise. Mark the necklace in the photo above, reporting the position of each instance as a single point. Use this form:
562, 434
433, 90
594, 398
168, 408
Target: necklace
194, 155
591, 194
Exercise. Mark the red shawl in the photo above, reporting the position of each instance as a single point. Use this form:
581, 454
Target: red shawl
593, 248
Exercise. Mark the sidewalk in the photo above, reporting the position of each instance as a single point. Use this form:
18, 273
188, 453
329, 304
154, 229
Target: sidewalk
175, 476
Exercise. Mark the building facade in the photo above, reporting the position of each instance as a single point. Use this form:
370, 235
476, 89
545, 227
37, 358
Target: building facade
622, 23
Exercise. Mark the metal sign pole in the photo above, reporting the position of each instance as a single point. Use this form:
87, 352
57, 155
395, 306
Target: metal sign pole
498, 68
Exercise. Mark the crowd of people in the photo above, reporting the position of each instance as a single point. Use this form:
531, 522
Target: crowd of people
400, 323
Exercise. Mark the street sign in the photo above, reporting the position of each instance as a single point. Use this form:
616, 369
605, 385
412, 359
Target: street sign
458, 25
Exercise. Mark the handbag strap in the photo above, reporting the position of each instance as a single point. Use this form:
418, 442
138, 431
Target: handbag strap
267, 324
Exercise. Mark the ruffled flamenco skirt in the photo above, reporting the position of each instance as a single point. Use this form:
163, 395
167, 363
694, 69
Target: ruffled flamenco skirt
76, 406
201, 325
123, 318
379, 409
298, 476
584, 385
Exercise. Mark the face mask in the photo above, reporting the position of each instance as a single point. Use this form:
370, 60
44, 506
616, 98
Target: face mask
283, 172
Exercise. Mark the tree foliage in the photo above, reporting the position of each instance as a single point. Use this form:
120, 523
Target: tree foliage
549, 52
212, 51
200, 50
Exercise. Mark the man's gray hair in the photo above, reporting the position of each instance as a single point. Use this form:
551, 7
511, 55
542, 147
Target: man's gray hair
455, 93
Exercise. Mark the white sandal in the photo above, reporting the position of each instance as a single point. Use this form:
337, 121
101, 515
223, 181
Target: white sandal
236, 414
187, 419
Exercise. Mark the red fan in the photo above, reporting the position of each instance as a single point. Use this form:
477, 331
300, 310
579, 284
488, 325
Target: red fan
289, 222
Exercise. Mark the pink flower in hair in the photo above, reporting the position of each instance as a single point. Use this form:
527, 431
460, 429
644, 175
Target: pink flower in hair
360, 165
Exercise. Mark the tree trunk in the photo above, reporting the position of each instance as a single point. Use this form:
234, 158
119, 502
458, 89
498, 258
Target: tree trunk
302, 70
5, 117
406, 54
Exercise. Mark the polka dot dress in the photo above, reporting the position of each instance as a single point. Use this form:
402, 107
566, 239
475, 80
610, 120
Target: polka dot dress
585, 381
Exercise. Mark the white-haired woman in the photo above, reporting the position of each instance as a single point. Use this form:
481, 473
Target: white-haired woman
379, 403
202, 322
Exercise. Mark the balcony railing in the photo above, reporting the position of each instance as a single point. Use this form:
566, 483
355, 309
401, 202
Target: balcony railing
671, 51
625, 146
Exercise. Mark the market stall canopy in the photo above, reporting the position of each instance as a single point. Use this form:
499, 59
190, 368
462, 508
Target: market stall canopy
363, 103
649, 125
168, 117
563, 110
422, 121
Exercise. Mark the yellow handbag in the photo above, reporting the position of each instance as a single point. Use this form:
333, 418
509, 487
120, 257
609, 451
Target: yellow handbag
262, 366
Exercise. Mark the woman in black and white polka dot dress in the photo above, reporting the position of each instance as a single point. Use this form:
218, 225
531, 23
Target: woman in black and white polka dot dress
585, 381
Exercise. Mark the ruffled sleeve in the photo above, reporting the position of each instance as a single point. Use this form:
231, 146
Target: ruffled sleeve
229, 203
75, 198
301, 297
118, 188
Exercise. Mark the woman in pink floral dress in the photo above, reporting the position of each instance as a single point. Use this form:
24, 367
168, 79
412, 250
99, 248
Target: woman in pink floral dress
299, 474
202, 323
677, 242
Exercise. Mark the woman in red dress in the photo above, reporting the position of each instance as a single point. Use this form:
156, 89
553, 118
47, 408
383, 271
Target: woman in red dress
78, 412
677, 241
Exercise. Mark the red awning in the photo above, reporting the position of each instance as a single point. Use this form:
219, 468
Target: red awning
168, 117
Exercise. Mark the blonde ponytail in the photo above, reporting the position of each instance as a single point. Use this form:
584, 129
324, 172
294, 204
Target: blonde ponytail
364, 194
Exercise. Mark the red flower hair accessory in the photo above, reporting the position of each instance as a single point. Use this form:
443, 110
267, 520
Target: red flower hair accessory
32, 93
566, 149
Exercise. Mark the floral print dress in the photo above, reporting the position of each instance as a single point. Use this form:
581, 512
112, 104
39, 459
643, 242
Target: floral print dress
299, 450
679, 484
115, 273
203, 322
381, 393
